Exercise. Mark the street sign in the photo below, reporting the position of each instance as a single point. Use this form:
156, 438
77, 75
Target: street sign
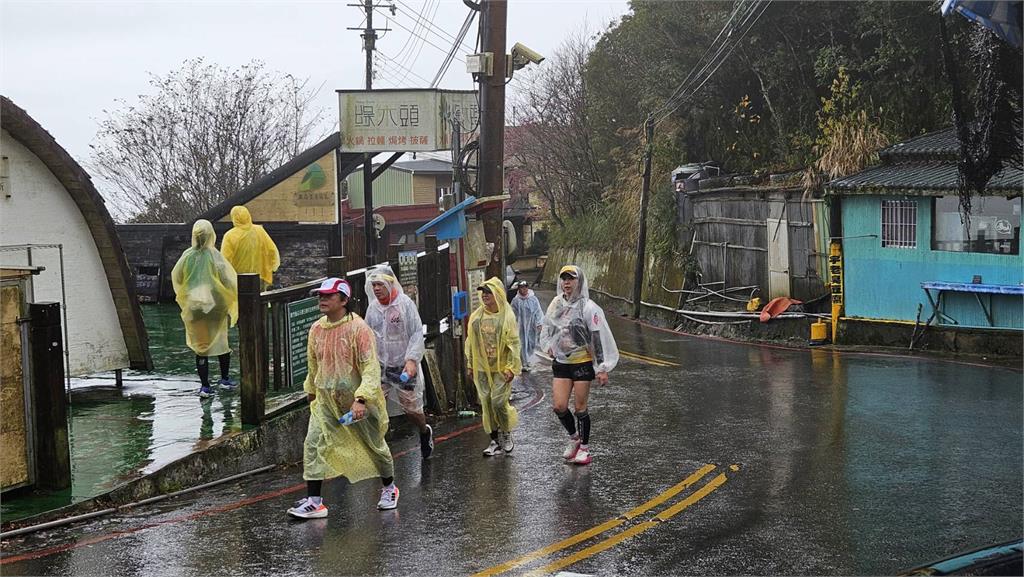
404, 120
301, 315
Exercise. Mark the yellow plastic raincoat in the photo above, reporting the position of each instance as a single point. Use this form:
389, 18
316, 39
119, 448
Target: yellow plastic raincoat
492, 347
206, 288
249, 248
342, 360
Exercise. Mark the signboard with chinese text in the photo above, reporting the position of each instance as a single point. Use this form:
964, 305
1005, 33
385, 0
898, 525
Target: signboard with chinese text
403, 120
301, 315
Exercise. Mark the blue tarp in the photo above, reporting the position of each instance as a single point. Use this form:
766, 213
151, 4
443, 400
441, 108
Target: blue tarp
1002, 17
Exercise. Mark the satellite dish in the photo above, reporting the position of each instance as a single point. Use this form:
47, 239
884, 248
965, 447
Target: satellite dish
378, 222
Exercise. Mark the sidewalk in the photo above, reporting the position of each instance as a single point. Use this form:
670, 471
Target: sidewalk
118, 435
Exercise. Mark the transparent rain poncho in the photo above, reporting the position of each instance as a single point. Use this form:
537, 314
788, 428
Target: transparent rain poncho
249, 248
492, 347
206, 289
576, 331
399, 331
530, 317
342, 359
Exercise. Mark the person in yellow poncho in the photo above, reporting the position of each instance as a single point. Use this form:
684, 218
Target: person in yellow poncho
492, 358
343, 378
206, 289
249, 248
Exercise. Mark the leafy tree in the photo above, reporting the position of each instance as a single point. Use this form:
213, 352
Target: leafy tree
205, 133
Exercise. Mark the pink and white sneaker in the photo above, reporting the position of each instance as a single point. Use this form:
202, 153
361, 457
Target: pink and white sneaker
582, 456
570, 451
306, 509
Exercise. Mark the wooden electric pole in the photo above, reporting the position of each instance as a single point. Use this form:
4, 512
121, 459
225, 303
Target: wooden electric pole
369, 36
641, 241
491, 176
369, 232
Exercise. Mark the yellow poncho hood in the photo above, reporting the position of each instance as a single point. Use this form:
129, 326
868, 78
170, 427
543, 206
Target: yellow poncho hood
249, 248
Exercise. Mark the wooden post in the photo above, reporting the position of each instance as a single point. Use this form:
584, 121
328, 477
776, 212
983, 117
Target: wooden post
251, 337
336, 266
393, 250
641, 243
53, 454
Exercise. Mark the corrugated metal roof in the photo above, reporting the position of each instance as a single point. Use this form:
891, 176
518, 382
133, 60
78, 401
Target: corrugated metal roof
923, 166
428, 165
939, 145
920, 178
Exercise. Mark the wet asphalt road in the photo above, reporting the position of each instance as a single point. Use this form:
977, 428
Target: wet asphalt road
709, 458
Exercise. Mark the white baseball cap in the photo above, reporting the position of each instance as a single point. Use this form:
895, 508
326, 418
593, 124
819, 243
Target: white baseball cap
333, 285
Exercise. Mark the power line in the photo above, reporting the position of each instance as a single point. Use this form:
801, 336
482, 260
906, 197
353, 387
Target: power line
419, 49
438, 31
455, 46
435, 46
745, 28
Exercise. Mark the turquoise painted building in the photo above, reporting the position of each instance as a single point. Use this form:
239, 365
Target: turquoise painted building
901, 227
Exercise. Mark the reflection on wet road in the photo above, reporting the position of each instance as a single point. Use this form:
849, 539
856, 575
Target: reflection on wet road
709, 458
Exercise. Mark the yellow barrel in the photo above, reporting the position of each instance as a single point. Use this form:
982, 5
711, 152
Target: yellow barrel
819, 333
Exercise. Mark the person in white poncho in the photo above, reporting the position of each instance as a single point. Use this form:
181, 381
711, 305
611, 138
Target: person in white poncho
530, 318
577, 338
395, 321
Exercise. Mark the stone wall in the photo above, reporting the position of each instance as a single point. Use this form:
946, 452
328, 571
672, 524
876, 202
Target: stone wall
153, 249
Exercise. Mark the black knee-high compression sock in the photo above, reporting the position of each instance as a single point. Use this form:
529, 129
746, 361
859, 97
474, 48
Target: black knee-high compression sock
225, 365
494, 435
313, 488
567, 421
387, 480
583, 422
203, 368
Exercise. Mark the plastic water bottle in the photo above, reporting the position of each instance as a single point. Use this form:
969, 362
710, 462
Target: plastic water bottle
406, 384
467, 414
346, 419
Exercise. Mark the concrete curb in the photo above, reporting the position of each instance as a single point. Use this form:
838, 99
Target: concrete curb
277, 440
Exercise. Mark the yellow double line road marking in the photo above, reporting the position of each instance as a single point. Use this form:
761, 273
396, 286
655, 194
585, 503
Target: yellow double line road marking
613, 523
646, 359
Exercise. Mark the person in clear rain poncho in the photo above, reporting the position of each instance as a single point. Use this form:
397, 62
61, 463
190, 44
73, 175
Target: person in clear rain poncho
492, 359
343, 377
530, 318
577, 337
206, 289
396, 323
249, 248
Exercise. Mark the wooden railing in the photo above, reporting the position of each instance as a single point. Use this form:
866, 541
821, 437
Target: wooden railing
264, 339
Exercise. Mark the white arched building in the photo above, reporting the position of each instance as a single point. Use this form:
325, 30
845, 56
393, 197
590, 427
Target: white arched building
49, 200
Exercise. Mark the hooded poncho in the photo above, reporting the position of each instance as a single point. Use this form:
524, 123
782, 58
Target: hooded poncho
492, 347
249, 248
530, 317
396, 324
205, 287
576, 331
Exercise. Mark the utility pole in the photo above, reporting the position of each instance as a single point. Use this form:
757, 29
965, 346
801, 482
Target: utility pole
369, 232
369, 36
491, 176
641, 241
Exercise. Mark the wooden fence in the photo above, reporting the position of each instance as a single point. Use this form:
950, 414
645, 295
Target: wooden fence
270, 324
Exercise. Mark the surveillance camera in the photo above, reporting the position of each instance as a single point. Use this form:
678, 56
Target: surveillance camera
524, 54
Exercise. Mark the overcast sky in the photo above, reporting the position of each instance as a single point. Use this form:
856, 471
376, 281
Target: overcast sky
65, 62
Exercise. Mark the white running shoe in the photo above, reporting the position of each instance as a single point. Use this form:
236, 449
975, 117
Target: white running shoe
582, 456
493, 449
305, 509
506, 442
570, 451
388, 498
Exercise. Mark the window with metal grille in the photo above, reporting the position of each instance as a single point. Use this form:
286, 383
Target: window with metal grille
899, 223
